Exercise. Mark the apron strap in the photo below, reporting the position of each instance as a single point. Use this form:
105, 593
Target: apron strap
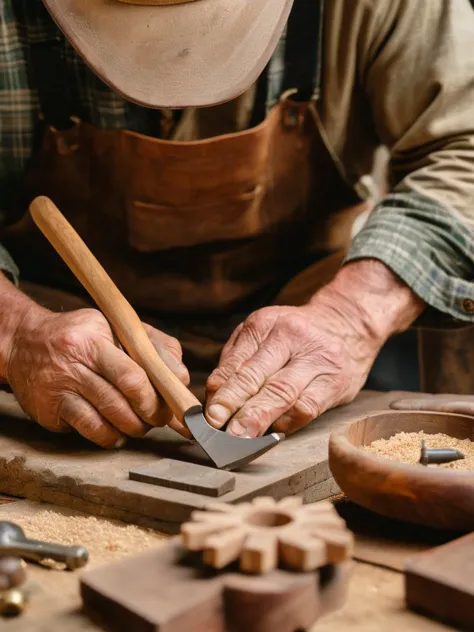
303, 50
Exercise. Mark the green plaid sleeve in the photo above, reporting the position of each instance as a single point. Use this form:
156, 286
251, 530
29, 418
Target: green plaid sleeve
427, 246
8, 266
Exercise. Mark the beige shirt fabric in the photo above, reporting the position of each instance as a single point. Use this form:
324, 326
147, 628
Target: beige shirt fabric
398, 73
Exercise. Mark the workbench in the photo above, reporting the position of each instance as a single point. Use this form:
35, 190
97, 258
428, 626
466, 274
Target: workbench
375, 602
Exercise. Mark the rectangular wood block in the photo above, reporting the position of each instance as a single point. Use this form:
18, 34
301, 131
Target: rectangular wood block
68, 471
166, 590
189, 477
440, 582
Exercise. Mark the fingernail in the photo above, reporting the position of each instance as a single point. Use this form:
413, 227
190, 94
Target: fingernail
120, 443
238, 430
219, 414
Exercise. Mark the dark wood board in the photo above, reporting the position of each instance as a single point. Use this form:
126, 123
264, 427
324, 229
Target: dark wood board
375, 602
168, 590
67, 471
440, 582
189, 477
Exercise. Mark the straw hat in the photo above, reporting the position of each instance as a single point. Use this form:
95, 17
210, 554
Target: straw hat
174, 53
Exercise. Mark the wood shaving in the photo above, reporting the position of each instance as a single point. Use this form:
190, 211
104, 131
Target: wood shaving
53, 564
406, 448
104, 539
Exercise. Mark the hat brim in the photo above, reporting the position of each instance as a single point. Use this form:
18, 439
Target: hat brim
181, 55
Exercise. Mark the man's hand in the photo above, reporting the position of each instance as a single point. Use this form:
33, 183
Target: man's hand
284, 366
67, 371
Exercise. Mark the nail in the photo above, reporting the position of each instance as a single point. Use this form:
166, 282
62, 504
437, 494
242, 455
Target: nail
219, 414
439, 455
120, 443
236, 429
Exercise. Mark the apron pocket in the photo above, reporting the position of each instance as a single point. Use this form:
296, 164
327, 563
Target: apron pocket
153, 227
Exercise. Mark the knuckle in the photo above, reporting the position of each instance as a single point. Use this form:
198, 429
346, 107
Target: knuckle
307, 408
256, 323
112, 408
294, 325
284, 391
87, 421
218, 377
249, 378
88, 314
133, 383
257, 426
337, 350
254, 319
173, 345
69, 339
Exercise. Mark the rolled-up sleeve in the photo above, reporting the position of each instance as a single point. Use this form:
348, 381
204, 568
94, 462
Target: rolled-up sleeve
8, 266
418, 74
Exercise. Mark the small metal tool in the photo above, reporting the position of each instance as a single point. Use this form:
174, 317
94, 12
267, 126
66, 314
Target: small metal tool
439, 455
12, 572
12, 602
14, 543
12, 579
224, 450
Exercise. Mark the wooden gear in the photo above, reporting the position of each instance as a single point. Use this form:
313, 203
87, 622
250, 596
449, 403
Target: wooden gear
170, 589
264, 532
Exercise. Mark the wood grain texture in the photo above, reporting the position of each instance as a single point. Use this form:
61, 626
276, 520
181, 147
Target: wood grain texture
375, 601
435, 497
168, 590
440, 582
265, 533
188, 477
70, 472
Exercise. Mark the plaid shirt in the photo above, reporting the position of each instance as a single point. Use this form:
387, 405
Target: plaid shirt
422, 242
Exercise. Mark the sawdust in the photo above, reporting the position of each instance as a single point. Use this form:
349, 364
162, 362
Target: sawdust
105, 540
406, 447
53, 564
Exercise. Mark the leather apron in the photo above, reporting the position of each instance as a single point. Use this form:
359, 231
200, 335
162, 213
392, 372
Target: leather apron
195, 234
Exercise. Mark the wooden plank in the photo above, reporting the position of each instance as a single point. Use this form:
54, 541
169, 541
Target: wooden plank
188, 477
374, 602
440, 582
68, 471
169, 590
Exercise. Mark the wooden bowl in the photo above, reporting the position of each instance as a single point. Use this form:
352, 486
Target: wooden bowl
435, 497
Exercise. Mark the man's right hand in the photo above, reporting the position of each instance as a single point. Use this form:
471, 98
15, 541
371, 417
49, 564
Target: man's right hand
67, 371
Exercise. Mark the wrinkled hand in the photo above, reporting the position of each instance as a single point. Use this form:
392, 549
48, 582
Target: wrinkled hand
67, 371
285, 366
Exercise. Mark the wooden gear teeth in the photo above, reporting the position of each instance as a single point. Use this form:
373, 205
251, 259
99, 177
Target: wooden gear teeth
264, 533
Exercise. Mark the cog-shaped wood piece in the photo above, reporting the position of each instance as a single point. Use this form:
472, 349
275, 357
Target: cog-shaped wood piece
265, 532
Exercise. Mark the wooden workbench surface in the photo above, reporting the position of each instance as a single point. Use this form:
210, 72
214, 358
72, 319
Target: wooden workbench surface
375, 601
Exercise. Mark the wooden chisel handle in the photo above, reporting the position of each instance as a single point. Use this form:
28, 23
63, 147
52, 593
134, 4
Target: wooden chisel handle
122, 317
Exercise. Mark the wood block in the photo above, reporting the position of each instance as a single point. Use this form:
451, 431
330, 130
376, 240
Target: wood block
168, 590
68, 471
440, 582
189, 477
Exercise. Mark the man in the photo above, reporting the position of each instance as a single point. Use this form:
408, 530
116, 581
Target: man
207, 218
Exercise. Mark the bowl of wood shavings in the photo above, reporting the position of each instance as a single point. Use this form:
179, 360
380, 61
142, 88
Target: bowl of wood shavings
392, 463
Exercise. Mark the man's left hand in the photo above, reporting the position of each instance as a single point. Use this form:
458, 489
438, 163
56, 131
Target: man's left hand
285, 366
